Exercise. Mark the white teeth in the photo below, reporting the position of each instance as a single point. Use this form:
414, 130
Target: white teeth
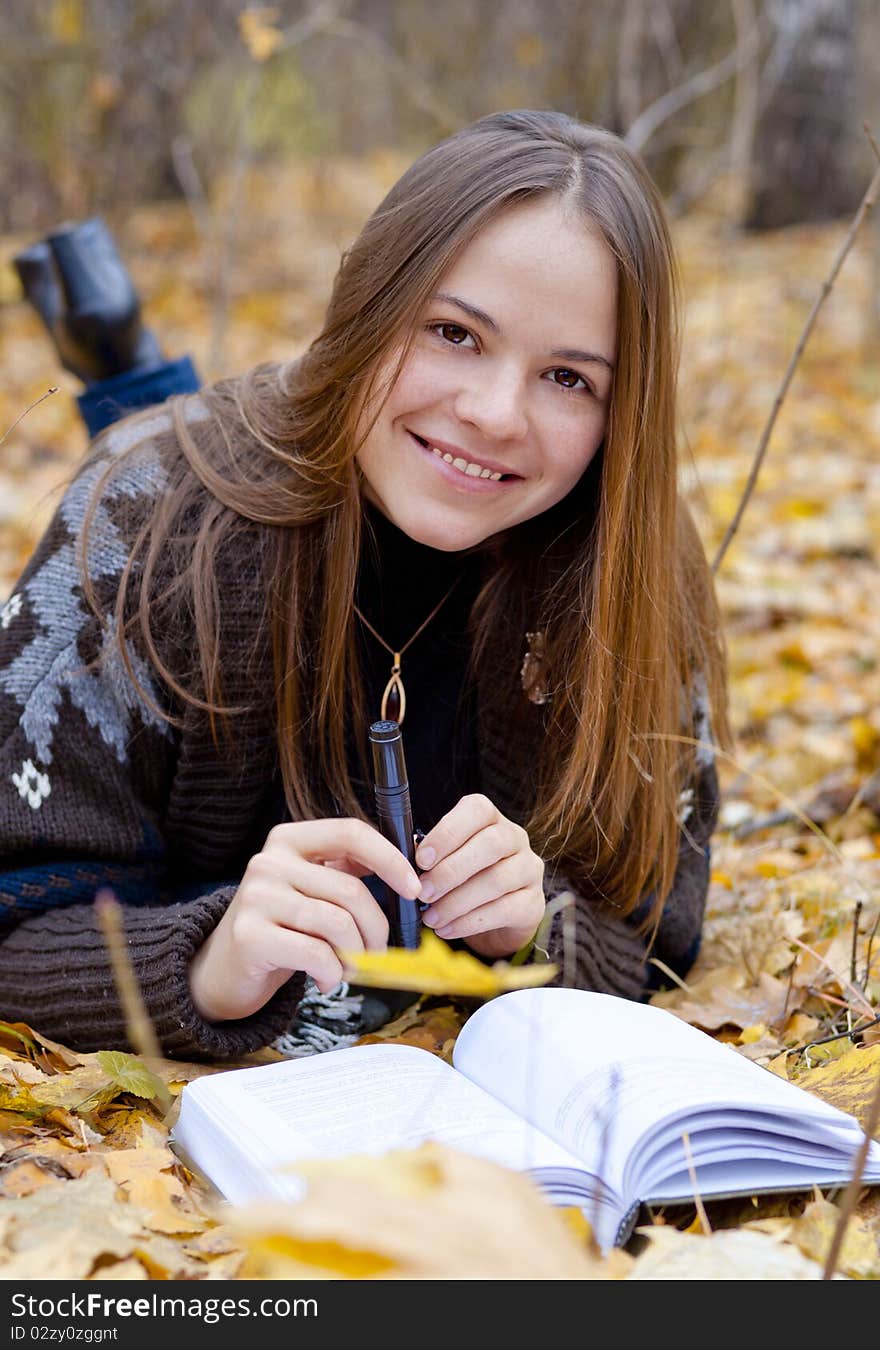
472, 470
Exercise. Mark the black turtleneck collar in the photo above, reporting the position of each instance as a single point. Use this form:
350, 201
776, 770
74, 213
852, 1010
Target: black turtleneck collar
400, 580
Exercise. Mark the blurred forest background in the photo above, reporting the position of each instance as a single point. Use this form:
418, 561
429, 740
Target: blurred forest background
234, 151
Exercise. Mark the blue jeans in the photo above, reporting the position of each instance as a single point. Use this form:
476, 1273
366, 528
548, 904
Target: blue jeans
106, 401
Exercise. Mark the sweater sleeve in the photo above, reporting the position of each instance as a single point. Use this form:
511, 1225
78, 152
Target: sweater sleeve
87, 769
55, 975
595, 947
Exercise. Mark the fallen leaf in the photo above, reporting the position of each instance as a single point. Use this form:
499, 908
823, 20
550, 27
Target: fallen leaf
732, 1254
727, 997
148, 1178
436, 969
813, 1232
848, 1082
431, 1213
132, 1075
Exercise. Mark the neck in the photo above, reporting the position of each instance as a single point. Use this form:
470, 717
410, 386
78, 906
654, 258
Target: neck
400, 580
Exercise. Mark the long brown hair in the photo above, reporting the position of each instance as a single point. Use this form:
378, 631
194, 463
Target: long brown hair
614, 576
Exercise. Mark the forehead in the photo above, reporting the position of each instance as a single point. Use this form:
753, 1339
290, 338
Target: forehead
540, 260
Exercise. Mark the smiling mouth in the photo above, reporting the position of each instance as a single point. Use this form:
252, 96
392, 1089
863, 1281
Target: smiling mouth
426, 445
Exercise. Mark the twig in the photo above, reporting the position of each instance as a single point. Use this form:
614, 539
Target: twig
138, 1027
853, 967
826, 1040
676, 979
692, 1173
868, 961
783, 1016
658, 112
846, 987
867, 203
849, 1196
53, 390
416, 88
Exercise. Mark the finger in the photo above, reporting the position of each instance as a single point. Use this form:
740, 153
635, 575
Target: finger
497, 880
505, 912
355, 841
317, 959
285, 885
275, 947
488, 846
471, 813
349, 895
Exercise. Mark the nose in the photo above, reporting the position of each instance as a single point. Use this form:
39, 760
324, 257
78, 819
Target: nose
494, 405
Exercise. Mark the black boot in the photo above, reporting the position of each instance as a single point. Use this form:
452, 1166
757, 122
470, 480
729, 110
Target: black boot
82, 291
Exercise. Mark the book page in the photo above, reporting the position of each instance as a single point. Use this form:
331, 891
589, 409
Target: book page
244, 1128
603, 1076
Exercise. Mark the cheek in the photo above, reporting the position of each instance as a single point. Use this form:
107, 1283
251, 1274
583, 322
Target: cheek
571, 443
423, 382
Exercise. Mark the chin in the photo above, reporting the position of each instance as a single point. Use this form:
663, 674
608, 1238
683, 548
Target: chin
441, 537
436, 531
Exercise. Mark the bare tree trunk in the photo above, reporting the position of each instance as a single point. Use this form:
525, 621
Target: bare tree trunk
805, 164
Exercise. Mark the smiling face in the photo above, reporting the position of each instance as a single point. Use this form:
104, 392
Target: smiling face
510, 372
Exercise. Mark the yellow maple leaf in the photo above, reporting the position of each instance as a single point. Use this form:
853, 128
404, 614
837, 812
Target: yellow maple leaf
436, 969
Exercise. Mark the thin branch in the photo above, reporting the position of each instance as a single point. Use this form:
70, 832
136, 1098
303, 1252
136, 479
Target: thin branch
867, 203
670, 974
868, 961
692, 1173
841, 1035
851, 1193
695, 88
9, 430
853, 967
852, 991
138, 1027
412, 81
783, 1016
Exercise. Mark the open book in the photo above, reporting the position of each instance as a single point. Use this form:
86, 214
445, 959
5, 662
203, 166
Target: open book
589, 1094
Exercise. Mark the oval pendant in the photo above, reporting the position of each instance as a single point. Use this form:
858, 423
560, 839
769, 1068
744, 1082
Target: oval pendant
394, 700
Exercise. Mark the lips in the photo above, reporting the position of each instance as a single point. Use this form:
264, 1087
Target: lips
457, 453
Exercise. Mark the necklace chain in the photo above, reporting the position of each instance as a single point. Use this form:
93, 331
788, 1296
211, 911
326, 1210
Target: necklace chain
394, 697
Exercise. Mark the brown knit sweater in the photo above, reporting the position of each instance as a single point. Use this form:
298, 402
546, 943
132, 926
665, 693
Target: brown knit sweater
96, 790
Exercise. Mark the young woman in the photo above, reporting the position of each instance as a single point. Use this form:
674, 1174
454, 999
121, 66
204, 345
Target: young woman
468, 480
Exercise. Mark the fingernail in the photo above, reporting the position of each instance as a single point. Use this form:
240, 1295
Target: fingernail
429, 918
426, 857
445, 932
428, 891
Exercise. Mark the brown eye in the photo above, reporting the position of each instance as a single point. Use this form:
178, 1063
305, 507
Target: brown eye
453, 332
569, 378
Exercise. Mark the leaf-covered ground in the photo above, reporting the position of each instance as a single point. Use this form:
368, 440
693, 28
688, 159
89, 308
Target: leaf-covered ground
791, 957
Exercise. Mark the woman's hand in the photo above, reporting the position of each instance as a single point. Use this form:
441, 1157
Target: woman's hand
300, 901
486, 884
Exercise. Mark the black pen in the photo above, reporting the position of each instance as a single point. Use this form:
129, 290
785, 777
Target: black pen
393, 808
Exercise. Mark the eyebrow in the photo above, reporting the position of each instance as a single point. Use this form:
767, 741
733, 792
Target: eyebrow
563, 353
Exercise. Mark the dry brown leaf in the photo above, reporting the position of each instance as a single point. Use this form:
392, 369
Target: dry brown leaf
430, 1213
732, 1254
813, 1233
433, 1029
149, 1179
727, 997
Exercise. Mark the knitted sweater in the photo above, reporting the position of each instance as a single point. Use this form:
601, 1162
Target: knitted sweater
97, 790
